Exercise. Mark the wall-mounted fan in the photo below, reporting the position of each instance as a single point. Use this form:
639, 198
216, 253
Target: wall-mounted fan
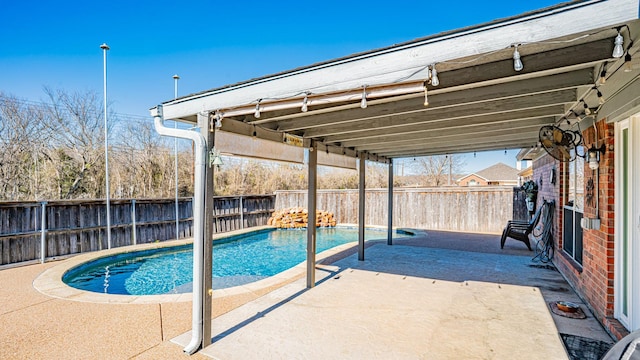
563, 145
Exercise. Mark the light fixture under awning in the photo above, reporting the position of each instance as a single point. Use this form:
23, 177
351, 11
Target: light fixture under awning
355, 95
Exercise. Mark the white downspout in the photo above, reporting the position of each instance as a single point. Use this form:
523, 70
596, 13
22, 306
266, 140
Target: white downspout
198, 223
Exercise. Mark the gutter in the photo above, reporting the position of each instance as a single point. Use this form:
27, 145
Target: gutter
198, 223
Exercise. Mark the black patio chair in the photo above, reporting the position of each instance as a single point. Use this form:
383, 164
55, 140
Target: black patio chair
520, 230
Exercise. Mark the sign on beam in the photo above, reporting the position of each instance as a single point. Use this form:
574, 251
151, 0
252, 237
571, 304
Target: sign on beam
293, 140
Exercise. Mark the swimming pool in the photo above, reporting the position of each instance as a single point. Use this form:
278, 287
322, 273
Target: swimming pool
237, 260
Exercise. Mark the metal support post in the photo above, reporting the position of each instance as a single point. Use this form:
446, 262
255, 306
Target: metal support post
311, 222
390, 206
43, 231
361, 202
241, 213
208, 132
134, 234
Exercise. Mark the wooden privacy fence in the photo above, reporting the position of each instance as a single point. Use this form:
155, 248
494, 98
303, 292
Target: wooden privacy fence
520, 211
39, 230
466, 209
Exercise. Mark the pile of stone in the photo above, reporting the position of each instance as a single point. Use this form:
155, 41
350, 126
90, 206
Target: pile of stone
298, 217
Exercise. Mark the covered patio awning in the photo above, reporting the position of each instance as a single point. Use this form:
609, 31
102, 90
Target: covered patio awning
485, 87
479, 103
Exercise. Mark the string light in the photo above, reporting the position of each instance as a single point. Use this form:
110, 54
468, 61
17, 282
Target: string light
603, 74
600, 96
517, 63
434, 80
587, 111
363, 103
256, 114
627, 63
618, 50
434, 76
218, 123
578, 116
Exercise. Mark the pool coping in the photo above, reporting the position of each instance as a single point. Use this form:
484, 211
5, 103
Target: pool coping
50, 281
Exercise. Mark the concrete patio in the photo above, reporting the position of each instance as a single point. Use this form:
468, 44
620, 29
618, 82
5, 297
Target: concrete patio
441, 296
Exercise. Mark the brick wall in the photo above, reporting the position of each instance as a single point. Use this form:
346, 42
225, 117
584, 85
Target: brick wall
543, 167
594, 280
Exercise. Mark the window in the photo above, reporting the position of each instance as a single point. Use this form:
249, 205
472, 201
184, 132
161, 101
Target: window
574, 208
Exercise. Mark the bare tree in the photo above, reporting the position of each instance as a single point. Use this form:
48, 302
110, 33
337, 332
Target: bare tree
22, 136
438, 170
56, 151
76, 152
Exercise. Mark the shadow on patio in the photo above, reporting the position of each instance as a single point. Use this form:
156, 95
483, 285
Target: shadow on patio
441, 296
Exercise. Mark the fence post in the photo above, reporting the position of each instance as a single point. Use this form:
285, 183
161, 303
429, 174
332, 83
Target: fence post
133, 221
241, 214
43, 231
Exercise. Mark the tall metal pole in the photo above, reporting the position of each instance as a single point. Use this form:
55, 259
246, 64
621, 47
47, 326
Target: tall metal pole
106, 48
175, 149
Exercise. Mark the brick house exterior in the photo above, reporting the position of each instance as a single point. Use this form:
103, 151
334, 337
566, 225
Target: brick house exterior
593, 280
498, 174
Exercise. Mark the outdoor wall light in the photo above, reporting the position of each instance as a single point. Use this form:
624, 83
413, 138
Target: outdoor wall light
593, 156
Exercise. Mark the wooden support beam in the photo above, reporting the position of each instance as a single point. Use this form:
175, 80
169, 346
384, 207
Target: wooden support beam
385, 124
459, 149
514, 120
442, 97
450, 137
585, 54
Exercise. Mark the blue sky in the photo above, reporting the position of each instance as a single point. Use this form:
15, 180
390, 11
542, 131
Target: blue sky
208, 43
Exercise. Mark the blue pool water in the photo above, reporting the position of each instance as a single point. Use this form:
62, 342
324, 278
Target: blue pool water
237, 260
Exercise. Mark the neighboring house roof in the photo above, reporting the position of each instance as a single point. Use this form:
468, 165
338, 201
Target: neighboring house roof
498, 172
470, 175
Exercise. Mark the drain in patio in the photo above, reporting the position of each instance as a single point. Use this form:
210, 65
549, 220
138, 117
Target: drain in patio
582, 348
